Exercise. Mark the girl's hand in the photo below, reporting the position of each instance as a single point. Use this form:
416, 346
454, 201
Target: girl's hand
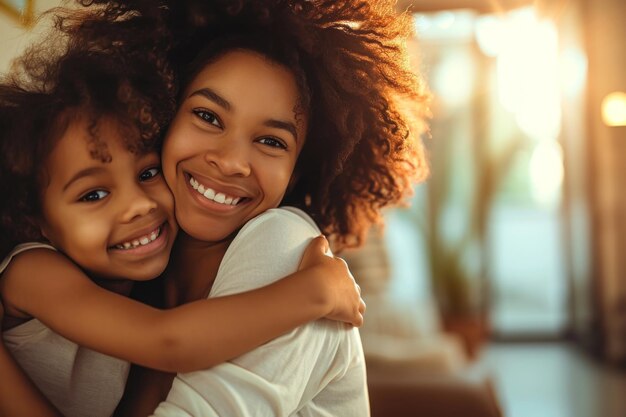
343, 293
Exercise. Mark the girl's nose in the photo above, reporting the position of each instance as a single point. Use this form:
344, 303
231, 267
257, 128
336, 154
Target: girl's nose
231, 158
138, 204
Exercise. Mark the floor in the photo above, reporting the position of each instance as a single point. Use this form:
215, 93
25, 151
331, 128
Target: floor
554, 380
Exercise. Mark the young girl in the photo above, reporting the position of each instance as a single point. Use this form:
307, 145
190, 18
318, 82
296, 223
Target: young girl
83, 193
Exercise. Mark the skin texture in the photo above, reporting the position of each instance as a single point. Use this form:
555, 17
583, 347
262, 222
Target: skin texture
91, 207
236, 135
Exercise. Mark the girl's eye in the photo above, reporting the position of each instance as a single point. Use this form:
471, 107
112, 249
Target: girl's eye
273, 142
149, 174
208, 117
92, 196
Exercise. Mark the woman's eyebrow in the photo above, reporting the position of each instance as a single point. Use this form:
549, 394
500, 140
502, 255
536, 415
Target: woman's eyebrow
279, 124
213, 96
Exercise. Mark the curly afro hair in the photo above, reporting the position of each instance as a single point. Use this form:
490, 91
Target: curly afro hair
51, 85
365, 105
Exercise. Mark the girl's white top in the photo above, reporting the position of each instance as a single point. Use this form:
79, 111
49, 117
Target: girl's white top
78, 381
315, 370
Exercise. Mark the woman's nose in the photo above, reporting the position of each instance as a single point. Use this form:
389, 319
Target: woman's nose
230, 157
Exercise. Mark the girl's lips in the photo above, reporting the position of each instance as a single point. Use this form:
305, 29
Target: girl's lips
145, 245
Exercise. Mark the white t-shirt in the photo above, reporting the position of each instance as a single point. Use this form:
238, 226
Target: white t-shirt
315, 370
80, 382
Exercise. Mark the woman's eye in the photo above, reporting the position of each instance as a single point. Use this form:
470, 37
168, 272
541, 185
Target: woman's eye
92, 196
149, 174
208, 117
273, 142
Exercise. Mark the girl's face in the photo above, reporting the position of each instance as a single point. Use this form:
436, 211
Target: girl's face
231, 150
113, 219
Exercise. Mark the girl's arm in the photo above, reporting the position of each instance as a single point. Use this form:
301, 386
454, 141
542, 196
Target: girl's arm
193, 336
19, 397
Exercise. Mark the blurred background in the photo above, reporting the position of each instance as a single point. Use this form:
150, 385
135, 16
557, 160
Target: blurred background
501, 290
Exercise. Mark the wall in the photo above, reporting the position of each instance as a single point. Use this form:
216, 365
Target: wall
14, 37
605, 34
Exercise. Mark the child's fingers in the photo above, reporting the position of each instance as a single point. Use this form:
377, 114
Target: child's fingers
359, 321
323, 242
317, 247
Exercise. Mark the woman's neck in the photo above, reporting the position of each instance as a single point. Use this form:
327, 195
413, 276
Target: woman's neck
192, 268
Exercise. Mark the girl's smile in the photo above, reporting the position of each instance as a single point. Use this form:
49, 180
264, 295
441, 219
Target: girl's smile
144, 243
114, 218
231, 150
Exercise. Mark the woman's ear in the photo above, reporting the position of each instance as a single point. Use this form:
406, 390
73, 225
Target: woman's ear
292, 181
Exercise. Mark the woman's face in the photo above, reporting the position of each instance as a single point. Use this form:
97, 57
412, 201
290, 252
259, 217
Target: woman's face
231, 150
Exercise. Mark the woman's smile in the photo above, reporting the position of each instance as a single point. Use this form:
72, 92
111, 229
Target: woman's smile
231, 150
220, 197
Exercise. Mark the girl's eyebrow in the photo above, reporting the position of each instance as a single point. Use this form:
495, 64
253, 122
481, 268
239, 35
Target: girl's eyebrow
222, 102
82, 174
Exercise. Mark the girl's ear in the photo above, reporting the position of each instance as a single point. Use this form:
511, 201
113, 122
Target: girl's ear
43, 227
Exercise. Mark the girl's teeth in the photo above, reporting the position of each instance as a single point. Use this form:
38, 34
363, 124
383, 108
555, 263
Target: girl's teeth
144, 240
220, 198
212, 195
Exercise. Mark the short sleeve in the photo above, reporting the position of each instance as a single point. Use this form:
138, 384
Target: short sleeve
267, 248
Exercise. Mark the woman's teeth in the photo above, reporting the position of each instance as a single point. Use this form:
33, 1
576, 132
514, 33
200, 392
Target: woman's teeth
141, 241
210, 194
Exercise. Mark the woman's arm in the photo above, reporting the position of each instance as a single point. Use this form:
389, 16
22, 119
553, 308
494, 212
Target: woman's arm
194, 336
145, 390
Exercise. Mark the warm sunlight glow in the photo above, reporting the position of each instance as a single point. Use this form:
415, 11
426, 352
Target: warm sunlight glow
614, 109
546, 172
489, 30
453, 81
528, 78
573, 71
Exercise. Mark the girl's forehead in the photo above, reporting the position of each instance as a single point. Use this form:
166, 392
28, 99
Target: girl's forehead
99, 133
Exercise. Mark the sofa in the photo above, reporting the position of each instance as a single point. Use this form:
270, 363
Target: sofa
414, 368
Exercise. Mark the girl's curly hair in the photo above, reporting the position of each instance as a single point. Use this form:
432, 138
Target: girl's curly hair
366, 107
53, 84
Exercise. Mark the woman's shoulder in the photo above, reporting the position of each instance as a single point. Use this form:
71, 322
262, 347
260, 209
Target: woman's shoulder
284, 220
